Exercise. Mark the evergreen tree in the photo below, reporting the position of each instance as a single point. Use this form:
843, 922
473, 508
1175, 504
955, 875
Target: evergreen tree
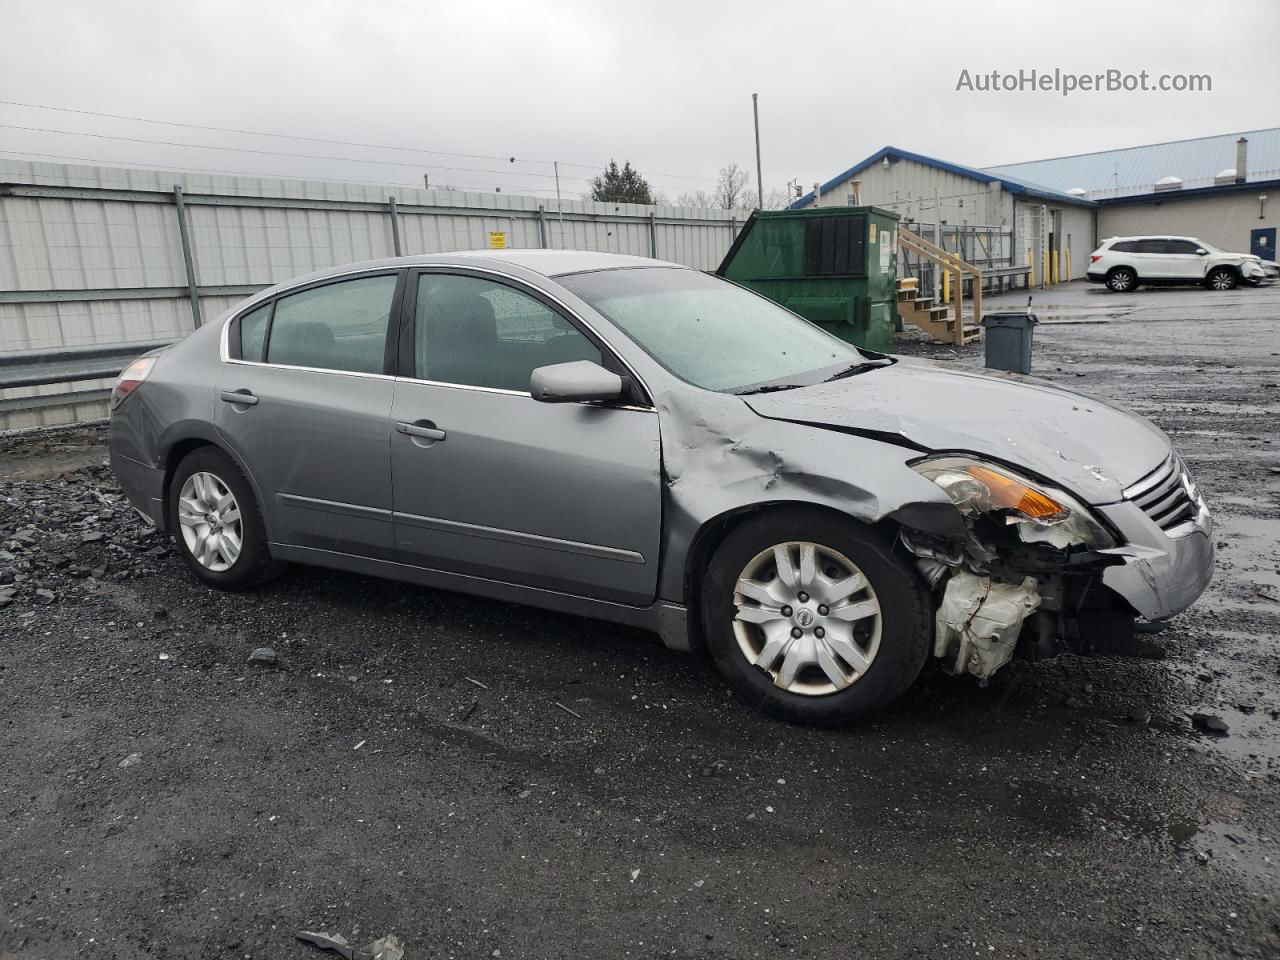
621, 185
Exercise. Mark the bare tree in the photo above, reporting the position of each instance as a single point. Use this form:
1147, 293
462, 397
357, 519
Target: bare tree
698, 198
775, 198
731, 187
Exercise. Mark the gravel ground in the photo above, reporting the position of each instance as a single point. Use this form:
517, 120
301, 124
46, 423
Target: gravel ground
487, 780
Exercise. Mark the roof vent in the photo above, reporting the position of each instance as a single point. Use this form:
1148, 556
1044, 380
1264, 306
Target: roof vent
1226, 176
1077, 191
1165, 184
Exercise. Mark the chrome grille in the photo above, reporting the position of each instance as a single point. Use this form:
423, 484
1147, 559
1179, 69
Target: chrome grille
1167, 495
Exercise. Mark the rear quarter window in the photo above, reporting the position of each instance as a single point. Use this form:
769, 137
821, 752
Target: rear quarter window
253, 334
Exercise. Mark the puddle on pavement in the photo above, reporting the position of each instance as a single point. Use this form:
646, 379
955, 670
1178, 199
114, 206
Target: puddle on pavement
1252, 740
1231, 847
1254, 549
1261, 528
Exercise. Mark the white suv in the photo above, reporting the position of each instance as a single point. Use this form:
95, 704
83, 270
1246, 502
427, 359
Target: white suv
1124, 262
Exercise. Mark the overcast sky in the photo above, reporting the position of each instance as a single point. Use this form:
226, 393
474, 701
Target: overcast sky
666, 85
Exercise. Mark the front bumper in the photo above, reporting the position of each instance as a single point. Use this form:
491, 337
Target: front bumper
1161, 575
142, 484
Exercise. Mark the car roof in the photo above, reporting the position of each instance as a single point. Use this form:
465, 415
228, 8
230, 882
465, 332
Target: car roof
549, 263
557, 263
1155, 236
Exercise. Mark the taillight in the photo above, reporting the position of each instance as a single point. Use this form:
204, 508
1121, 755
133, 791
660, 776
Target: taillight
1095, 257
131, 379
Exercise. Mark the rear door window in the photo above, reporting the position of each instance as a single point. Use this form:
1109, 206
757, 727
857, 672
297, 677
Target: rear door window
339, 326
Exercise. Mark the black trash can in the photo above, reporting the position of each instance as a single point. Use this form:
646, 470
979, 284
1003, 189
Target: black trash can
1008, 337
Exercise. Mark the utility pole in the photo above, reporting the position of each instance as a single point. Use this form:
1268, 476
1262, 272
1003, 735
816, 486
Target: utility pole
755, 109
426, 180
559, 205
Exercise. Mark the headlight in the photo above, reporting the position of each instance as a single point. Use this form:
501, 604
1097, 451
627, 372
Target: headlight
1042, 514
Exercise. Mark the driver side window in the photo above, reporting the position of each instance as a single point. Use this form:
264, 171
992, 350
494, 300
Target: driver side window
475, 332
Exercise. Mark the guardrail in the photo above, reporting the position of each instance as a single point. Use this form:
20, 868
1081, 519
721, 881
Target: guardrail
33, 368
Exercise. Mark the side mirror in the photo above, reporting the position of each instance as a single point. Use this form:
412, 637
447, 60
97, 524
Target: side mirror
1202, 251
580, 381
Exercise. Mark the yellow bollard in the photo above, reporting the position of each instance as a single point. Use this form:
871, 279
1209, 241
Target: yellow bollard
1031, 270
1054, 262
946, 286
1068, 264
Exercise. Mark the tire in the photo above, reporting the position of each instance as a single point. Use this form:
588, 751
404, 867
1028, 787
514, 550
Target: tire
217, 475
1221, 278
1122, 280
741, 627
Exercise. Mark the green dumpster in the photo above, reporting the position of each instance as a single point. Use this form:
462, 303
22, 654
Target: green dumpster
835, 266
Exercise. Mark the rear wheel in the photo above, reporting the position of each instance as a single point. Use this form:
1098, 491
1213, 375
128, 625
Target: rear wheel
813, 618
1221, 278
216, 522
1122, 280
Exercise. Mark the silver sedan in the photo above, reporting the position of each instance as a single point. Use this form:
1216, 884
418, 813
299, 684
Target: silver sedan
642, 443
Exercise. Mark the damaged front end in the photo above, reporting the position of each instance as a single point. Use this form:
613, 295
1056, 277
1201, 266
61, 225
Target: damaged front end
1024, 576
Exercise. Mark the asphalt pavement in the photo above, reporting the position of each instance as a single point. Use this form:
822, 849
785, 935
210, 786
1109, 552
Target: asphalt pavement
485, 780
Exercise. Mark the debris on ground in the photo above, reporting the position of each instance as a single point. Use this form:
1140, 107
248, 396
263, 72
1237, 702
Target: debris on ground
384, 948
571, 713
1210, 723
264, 657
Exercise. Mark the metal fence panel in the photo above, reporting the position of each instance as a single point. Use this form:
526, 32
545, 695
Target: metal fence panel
95, 255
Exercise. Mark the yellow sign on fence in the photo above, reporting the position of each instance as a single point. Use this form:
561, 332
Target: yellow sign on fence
497, 240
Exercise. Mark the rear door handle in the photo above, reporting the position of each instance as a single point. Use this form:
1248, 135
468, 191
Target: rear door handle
426, 430
239, 396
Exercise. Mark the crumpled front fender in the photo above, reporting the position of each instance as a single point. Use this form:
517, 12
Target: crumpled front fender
719, 457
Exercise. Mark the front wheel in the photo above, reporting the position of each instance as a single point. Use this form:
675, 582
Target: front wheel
216, 522
813, 617
1221, 278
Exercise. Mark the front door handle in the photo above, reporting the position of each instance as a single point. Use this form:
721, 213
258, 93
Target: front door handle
423, 429
239, 397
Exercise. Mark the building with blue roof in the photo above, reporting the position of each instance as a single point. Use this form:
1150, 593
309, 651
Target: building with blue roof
1052, 213
1134, 171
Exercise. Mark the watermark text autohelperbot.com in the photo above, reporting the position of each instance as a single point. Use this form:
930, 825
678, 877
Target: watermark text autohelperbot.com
1066, 83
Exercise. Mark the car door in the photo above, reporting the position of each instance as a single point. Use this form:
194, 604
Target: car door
304, 400
489, 482
1151, 258
1184, 263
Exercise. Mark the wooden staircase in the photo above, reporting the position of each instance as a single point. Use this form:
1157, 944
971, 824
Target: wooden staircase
936, 319
943, 322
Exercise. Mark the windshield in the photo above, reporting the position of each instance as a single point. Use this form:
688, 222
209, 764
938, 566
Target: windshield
709, 332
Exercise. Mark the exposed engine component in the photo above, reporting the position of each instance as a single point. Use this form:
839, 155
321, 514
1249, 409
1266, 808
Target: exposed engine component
978, 622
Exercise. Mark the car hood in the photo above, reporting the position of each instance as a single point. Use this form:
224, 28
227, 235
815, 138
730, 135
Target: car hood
1086, 446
